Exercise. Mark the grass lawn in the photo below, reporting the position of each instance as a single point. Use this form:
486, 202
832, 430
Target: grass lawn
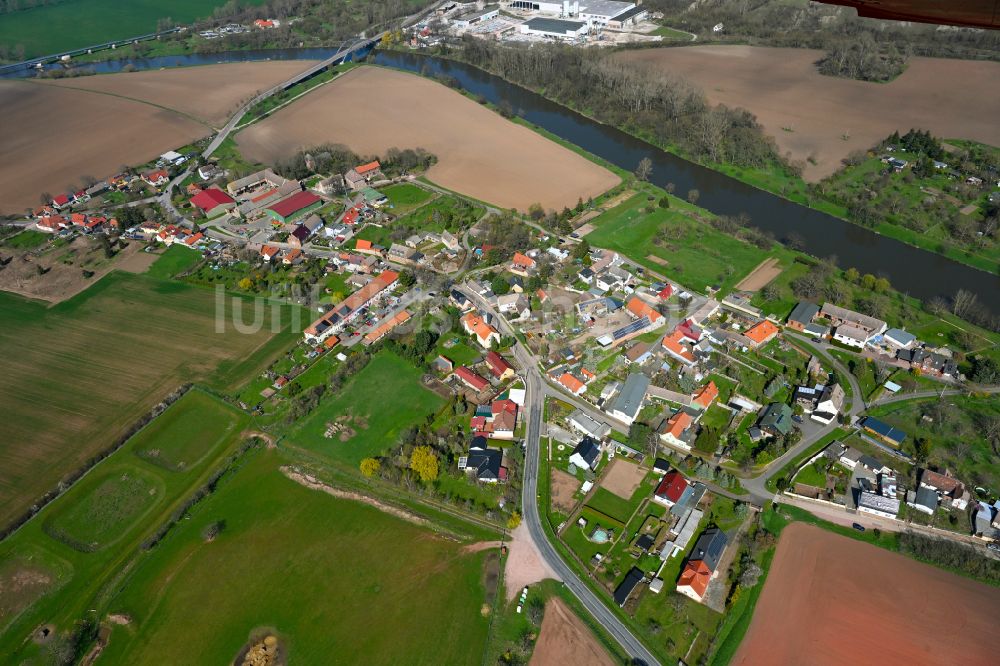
361, 573
26, 240
696, 254
793, 464
811, 477
387, 394
71, 25
460, 353
404, 197
610, 504
100, 360
178, 439
111, 511
716, 417
176, 259
106, 506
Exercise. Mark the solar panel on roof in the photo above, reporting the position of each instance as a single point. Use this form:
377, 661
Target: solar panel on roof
634, 327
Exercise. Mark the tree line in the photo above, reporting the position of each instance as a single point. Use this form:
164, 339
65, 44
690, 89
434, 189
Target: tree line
653, 104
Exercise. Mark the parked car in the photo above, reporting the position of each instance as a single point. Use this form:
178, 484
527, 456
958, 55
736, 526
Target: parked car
796, 418
860, 528
994, 546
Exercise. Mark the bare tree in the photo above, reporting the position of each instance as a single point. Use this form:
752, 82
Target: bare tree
644, 169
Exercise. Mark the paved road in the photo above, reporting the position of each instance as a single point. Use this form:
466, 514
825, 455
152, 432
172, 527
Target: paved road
917, 395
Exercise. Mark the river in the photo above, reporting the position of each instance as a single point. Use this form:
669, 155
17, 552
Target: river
913, 271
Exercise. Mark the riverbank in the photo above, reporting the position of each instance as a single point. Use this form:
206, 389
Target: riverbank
779, 180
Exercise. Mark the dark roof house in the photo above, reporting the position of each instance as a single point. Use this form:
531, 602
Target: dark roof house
624, 589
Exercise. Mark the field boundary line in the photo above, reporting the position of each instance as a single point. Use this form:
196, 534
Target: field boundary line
130, 99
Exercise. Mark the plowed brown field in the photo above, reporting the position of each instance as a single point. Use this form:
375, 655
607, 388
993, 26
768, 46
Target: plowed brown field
833, 600
479, 153
809, 114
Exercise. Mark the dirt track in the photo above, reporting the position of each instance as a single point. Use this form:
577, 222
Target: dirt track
564, 639
211, 93
761, 276
479, 153
833, 600
783, 88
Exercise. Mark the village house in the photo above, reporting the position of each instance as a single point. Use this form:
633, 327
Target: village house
947, 487
671, 489
776, 419
899, 339
677, 431
482, 462
878, 505
499, 367
156, 178
627, 404
471, 378
585, 424
638, 308
485, 334
522, 264
586, 454
628, 584
852, 328
639, 353
705, 396
676, 346
702, 565
517, 305
760, 333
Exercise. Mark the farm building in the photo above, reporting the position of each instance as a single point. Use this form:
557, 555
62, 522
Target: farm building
213, 201
883, 431
293, 206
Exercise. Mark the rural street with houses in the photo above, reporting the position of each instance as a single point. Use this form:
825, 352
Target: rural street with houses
534, 403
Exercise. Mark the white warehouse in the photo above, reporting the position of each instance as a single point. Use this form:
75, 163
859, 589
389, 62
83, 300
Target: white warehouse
597, 13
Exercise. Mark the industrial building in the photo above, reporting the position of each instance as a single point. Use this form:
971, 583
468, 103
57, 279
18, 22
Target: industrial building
554, 28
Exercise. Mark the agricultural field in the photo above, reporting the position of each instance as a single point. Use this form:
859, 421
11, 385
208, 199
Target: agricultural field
61, 26
819, 120
209, 93
811, 564
668, 242
100, 360
50, 118
154, 111
52, 568
391, 575
962, 432
373, 409
480, 154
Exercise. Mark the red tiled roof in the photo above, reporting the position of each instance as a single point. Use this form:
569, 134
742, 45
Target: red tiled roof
672, 342
61, 199
696, 575
294, 203
498, 364
470, 377
639, 308
522, 260
673, 485
499, 406
666, 292
762, 332
706, 394
365, 168
676, 426
363, 245
211, 198
571, 382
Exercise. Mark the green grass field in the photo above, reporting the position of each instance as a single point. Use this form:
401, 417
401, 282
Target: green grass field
78, 374
72, 24
177, 440
387, 395
695, 254
404, 197
113, 509
332, 578
26, 240
174, 260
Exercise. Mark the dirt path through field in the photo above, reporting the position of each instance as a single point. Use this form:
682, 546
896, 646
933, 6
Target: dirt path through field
479, 153
564, 639
830, 600
825, 117
761, 276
